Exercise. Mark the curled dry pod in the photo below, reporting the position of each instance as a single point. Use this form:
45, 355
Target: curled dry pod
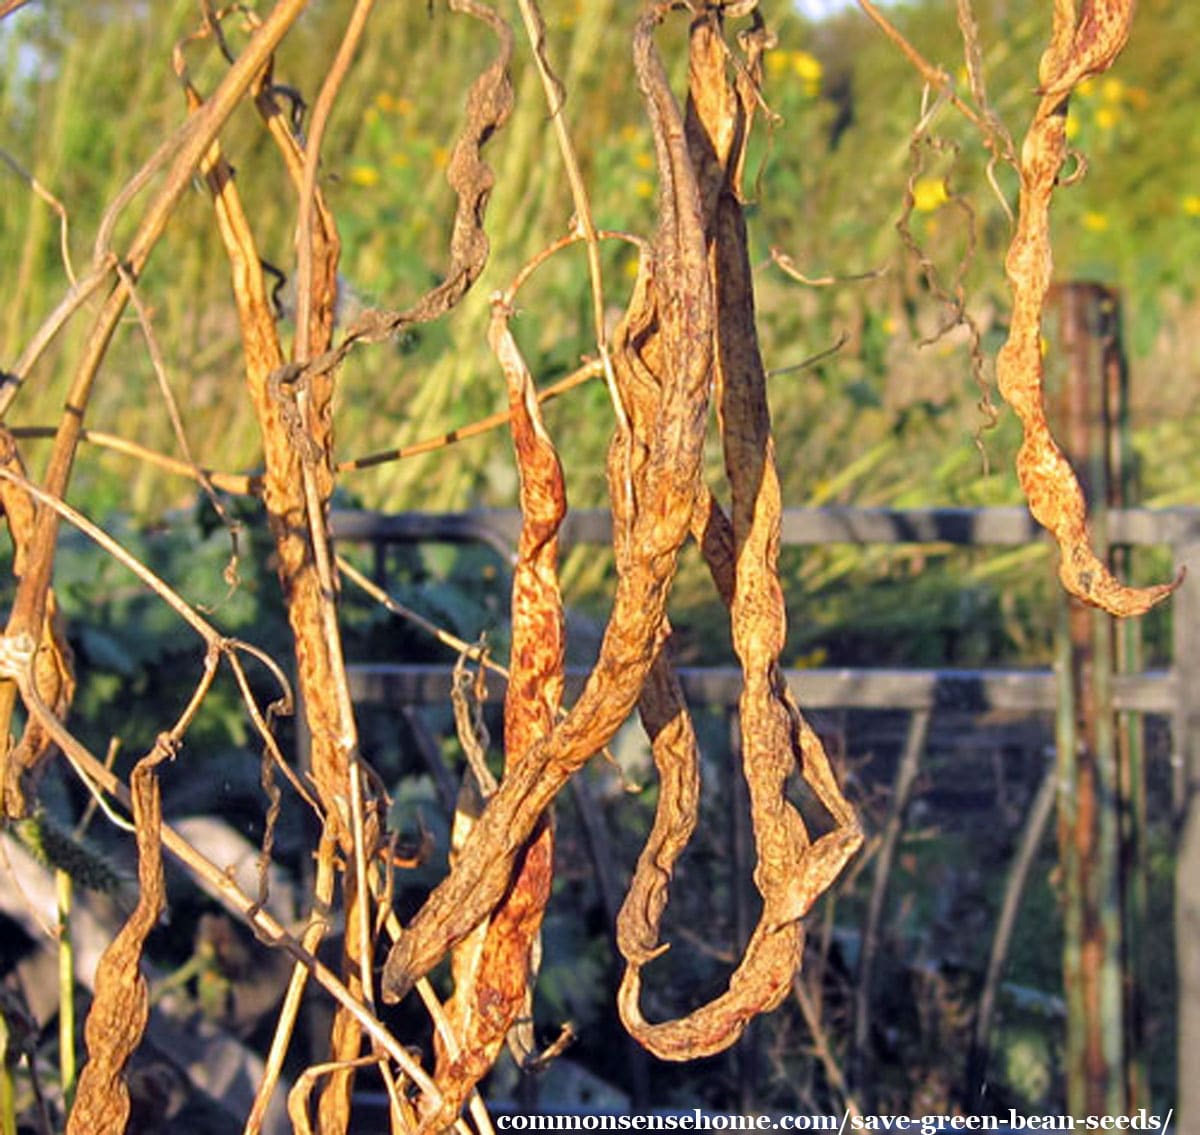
1077, 49
121, 1005
672, 459
496, 987
792, 870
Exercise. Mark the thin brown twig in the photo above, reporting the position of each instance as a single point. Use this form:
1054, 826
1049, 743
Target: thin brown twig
902, 788
159, 366
936, 77
246, 484
556, 246
593, 368
241, 484
155, 582
812, 360
1040, 811
64, 223
297, 1102
785, 262
822, 1048
285, 1021
535, 28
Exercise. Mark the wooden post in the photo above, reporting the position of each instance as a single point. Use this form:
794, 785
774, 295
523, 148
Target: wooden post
1090, 802
1122, 491
1185, 613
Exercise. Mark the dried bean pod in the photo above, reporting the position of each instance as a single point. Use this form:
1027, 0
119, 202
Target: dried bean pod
792, 872
479, 879
1047, 479
496, 987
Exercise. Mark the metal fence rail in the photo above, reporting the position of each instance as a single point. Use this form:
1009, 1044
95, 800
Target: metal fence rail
1172, 692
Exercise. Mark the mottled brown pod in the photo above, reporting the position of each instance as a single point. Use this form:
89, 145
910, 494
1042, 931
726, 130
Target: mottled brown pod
496, 986
121, 1004
1077, 50
792, 871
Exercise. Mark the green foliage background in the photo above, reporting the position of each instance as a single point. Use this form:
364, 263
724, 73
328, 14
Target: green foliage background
87, 91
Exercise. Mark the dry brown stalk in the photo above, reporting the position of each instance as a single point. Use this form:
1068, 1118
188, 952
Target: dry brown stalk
293, 404
1080, 46
30, 603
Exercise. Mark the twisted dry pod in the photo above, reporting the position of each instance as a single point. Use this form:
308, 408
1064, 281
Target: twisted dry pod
1081, 45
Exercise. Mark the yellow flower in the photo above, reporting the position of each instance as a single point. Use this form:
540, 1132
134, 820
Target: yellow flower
441, 156
777, 63
390, 104
807, 67
797, 64
929, 194
1095, 222
1112, 90
629, 133
1190, 204
643, 188
1072, 125
643, 160
1106, 118
1087, 88
364, 176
